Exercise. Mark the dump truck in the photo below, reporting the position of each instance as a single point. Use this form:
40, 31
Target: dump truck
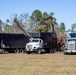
42, 42
10, 42
30, 42
14, 42
70, 46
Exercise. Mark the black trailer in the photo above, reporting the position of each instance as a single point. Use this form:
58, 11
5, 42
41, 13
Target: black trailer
49, 38
13, 42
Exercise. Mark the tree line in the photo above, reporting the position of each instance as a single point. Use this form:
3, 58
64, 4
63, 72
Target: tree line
33, 23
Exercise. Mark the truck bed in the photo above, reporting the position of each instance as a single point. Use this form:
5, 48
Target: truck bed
50, 39
13, 40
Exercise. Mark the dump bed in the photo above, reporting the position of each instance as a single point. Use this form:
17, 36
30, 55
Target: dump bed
50, 39
13, 40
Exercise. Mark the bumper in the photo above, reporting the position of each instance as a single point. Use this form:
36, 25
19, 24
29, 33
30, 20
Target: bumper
31, 50
70, 51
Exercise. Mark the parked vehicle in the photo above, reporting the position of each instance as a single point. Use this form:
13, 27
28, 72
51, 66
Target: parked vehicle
42, 42
12, 42
70, 46
31, 42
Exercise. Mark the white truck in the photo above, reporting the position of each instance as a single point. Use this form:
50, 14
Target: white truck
35, 44
42, 42
70, 46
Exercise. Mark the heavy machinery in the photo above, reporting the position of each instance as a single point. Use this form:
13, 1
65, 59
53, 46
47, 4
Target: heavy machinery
60, 38
20, 26
10, 42
51, 22
40, 41
33, 42
43, 41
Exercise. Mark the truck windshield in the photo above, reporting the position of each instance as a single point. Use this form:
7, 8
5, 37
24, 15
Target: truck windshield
34, 40
71, 40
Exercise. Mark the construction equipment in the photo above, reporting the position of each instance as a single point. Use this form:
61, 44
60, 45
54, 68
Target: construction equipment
51, 22
37, 40
60, 38
39, 44
20, 26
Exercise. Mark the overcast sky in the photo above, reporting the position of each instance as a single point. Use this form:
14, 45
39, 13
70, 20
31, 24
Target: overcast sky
64, 10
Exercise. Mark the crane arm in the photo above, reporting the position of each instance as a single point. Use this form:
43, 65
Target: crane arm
50, 17
20, 26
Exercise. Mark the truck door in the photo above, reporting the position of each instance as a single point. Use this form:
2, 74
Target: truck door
41, 43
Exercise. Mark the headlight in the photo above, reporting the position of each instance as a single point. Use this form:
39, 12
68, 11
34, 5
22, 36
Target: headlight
29, 46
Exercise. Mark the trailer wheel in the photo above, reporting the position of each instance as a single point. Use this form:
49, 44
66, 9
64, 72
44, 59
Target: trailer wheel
24, 50
39, 51
55, 50
16, 50
51, 50
2, 51
21, 50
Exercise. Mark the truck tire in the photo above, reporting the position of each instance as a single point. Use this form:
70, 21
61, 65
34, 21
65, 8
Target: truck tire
55, 50
16, 51
27, 52
65, 53
24, 50
2, 51
39, 51
21, 50
51, 50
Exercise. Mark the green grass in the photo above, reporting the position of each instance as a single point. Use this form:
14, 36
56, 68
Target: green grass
35, 64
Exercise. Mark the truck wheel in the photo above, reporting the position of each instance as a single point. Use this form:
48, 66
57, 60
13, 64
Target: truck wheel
21, 50
2, 51
39, 51
65, 53
51, 50
55, 50
16, 50
27, 52
24, 50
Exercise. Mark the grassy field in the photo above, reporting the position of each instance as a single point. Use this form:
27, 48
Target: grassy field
35, 64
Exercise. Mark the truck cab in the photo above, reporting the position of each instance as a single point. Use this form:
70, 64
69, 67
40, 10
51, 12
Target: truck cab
34, 45
70, 46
